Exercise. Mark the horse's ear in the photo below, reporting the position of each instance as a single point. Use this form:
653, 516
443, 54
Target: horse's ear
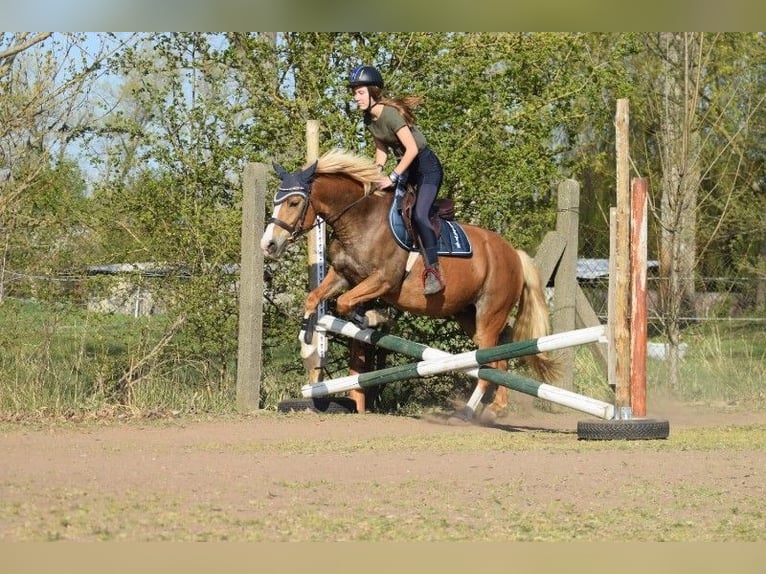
281, 172
308, 173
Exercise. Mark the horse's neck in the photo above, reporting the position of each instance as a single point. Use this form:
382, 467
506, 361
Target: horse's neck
345, 207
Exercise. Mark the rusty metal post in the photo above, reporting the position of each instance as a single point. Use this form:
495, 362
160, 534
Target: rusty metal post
638, 314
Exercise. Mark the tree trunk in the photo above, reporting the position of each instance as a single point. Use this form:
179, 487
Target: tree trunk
680, 151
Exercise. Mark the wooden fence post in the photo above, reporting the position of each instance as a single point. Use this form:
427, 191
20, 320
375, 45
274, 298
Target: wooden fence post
621, 259
251, 289
316, 255
565, 281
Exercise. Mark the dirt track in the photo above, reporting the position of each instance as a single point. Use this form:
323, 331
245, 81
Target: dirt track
342, 477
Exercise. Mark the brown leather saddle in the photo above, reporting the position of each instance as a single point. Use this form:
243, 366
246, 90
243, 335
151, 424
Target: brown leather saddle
443, 208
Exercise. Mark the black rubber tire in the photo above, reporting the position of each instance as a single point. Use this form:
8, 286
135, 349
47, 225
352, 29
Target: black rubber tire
341, 405
629, 429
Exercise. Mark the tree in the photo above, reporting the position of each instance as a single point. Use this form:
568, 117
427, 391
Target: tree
680, 156
46, 82
11, 45
696, 131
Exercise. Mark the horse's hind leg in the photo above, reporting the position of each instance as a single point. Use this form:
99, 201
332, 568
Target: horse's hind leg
489, 330
467, 321
357, 365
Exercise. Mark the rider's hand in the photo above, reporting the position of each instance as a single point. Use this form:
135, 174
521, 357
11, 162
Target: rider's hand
384, 182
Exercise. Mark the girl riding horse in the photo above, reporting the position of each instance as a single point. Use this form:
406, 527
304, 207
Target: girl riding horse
392, 125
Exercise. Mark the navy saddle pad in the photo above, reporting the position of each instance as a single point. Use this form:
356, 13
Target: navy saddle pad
451, 241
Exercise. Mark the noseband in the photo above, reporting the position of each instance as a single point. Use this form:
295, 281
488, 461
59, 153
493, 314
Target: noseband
290, 187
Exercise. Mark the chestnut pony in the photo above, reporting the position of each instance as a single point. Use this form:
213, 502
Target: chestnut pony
367, 263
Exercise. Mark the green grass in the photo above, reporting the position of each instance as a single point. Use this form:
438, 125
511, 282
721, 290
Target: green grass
493, 517
65, 361
724, 362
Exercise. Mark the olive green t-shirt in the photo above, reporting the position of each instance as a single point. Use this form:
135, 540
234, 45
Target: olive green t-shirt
385, 127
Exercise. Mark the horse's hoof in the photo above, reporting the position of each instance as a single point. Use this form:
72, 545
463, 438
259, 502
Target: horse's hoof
360, 320
488, 416
307, 327
459, 419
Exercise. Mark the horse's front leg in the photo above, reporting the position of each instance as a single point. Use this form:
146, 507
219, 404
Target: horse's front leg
330, 286
371, 288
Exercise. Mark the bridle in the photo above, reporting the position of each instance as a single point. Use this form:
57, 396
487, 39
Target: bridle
304, 191
283, 193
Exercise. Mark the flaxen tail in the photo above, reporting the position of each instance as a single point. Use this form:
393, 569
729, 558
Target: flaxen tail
533, 320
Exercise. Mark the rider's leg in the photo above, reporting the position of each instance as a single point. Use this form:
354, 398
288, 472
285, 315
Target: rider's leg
432, 278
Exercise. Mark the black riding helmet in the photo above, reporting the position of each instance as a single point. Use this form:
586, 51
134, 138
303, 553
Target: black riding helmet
365, 76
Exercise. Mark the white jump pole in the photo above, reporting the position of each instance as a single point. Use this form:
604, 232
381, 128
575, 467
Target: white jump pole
437, 361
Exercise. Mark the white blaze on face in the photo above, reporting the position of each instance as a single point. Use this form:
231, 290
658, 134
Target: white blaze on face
267, 239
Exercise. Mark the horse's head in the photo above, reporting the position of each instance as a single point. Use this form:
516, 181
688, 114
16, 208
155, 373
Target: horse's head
331, 187
292, 215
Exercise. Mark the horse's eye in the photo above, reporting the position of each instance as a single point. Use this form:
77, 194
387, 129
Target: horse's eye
295, 202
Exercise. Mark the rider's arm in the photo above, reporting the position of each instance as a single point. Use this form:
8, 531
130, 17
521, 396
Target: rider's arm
381, 154
410, 149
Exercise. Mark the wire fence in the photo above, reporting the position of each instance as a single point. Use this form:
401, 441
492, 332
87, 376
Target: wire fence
726, 297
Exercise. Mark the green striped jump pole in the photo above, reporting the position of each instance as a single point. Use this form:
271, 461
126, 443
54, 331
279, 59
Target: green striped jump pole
436, 361
398, 345
373, 337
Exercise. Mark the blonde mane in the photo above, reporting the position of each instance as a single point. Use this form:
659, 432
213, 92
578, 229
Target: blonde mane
360, 168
